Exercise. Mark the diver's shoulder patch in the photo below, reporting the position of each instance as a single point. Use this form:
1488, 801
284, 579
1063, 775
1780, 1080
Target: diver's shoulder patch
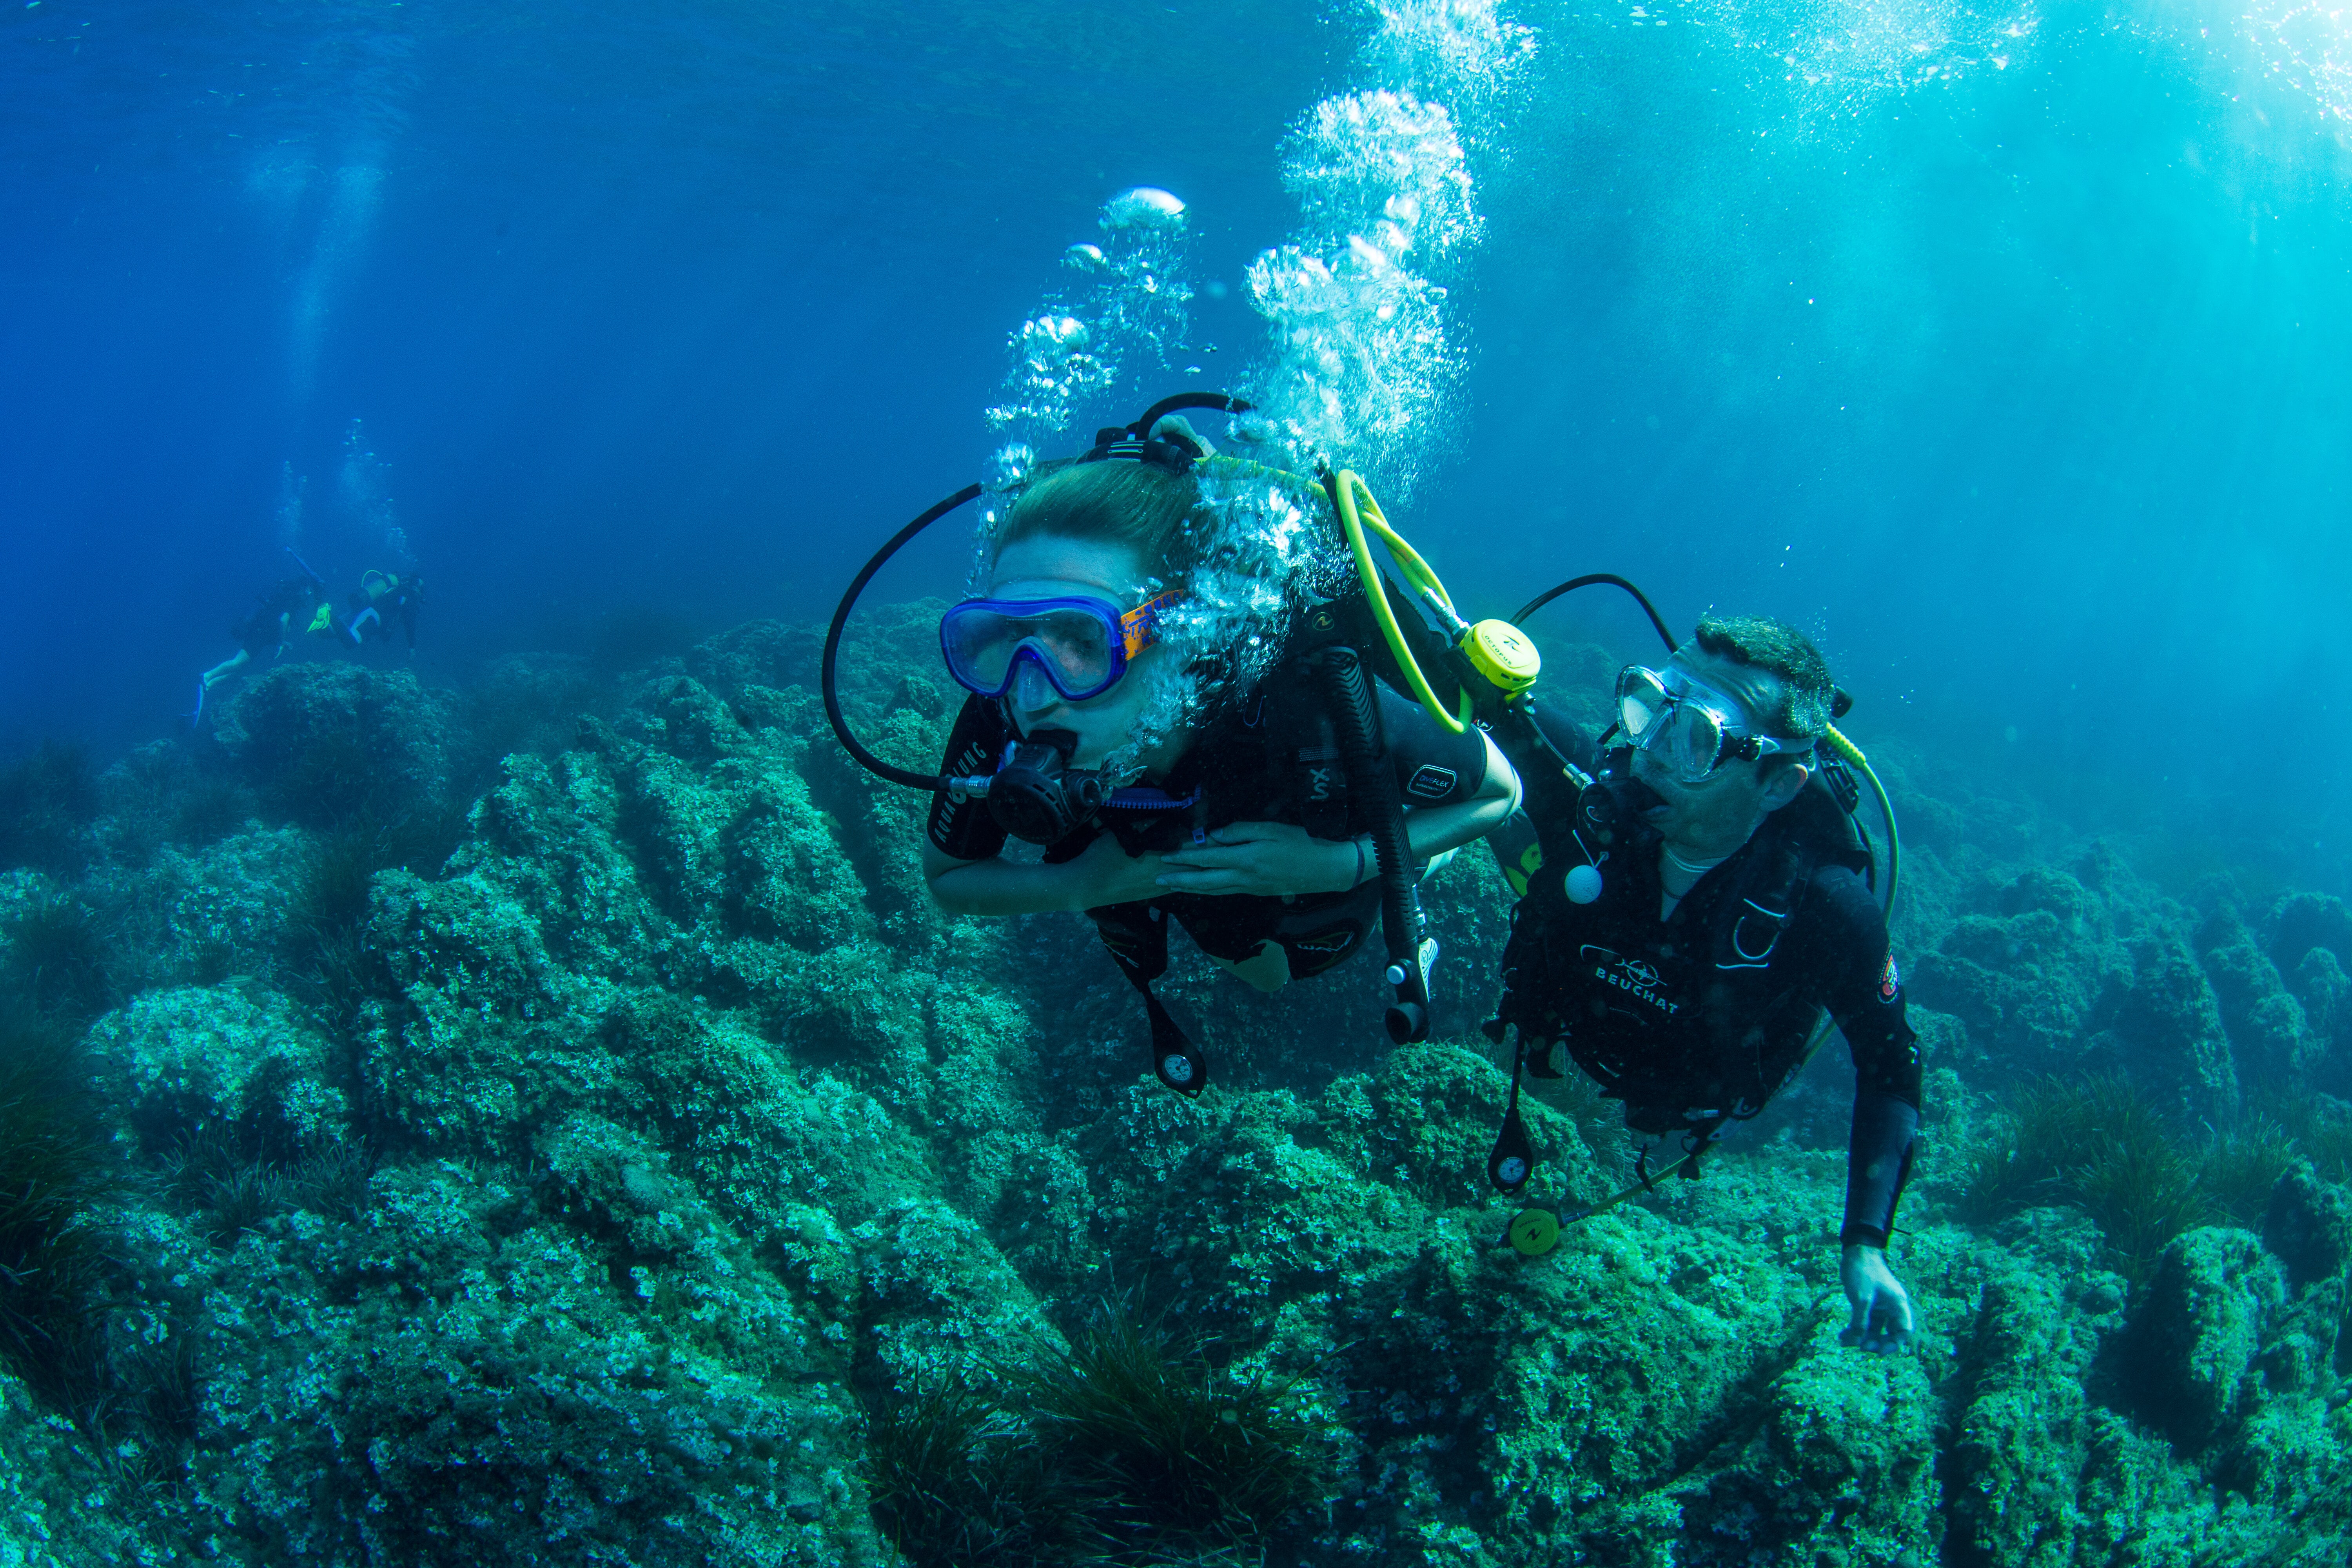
1889, 981
1431, 781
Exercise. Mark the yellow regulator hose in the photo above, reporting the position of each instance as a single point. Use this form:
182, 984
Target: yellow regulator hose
1357, 507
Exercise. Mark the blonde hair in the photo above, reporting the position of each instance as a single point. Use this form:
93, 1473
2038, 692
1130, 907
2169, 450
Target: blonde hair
1152, 511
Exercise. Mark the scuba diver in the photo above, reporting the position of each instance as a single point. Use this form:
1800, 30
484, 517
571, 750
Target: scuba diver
380, 601
1224, 839
284, 609
1698, 912
1280, 828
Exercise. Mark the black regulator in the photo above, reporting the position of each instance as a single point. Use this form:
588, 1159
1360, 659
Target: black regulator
1035, 795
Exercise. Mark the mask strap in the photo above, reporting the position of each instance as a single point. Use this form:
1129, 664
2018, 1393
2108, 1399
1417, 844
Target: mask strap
1140, 627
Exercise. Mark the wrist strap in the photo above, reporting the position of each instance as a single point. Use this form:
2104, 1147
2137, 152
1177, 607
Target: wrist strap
1358, 882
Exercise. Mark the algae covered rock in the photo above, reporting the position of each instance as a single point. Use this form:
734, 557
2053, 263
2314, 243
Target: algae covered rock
2163, 1027
2307, 1226
2027, 973
2196, 1334
205, 914
323, 742
474, 1373
58, 1505
2270, 1033
2024, 1425
193, 1061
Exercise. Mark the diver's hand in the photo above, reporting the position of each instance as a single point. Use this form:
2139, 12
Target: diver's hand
1881, 1307
1265, 858
1108, 874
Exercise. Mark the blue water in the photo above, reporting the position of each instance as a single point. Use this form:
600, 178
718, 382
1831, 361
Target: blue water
2005, 349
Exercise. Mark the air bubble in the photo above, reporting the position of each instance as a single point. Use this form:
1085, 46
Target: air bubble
1145, 206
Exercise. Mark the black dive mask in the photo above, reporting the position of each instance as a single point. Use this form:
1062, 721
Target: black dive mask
1036, 796
1613, 803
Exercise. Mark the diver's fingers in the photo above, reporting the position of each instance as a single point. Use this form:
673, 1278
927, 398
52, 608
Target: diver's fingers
1890, 1326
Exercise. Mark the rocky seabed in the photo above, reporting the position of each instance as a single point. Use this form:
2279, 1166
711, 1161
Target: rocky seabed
547, 1123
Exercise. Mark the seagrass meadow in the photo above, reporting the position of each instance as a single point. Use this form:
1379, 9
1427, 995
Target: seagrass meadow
547, 1123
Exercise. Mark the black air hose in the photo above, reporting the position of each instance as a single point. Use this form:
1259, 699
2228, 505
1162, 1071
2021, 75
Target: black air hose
827, 683
1358, 721
1216, 401
1666, 634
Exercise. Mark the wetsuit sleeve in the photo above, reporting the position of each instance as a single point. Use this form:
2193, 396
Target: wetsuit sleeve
961, 826
1865, 997
1433, 765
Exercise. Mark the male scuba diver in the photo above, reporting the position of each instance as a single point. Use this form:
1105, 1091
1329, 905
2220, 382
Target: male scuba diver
1698, 906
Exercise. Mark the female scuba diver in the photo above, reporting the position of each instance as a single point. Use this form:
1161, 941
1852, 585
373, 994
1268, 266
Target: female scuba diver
1239, 822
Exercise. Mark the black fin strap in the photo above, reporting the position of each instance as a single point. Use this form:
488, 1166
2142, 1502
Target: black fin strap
1698, 1142
1179, 1063
1137, 936
1513, 1160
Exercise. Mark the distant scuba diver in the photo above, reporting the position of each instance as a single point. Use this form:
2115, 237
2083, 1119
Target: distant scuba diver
1694, 915
1279, 829
283, 611
381, 601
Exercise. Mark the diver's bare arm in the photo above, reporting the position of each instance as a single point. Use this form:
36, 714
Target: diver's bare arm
1433, 829
1105, 874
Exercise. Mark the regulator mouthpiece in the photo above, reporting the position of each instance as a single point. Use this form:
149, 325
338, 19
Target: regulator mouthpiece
1614, 802
1035, 795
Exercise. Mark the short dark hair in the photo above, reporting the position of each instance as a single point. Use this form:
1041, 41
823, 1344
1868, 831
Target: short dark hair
1779, 649
1156, 512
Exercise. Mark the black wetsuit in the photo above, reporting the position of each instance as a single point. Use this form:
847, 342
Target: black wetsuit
375, 616
1279, 762
278, 616
1699, 1017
